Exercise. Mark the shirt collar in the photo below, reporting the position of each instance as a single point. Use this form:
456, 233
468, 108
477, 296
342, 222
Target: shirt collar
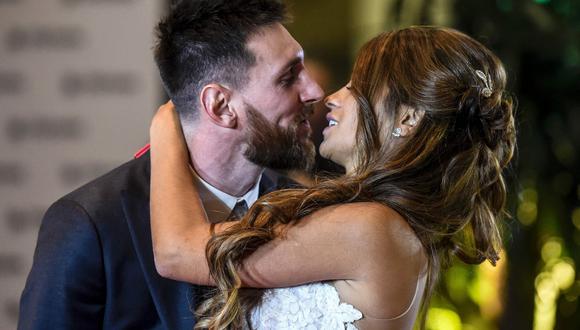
230, 201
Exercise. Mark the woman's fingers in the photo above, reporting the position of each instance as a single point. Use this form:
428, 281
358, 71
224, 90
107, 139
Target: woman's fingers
165, 121
166, 135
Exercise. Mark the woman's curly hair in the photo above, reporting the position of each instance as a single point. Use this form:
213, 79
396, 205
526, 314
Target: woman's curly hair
445, 179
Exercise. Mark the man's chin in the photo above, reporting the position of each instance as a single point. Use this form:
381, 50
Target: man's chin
306, 141
277, 147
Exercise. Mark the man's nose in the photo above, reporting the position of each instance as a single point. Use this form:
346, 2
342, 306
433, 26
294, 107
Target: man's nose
312, 92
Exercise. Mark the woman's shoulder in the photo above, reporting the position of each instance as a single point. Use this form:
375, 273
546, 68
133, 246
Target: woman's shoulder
391, 259
373, 229
369, 212
370, 208
373, 218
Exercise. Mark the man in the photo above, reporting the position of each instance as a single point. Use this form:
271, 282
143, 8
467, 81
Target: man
237, 79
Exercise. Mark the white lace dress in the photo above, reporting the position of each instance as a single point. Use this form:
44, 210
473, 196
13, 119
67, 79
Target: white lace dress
314, 306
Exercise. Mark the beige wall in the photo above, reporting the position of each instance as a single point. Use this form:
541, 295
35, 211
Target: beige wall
78, 87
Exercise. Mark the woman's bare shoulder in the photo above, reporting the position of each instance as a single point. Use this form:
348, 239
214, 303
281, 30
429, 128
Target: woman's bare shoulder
391, 259
376, 220
364, 211
372, 230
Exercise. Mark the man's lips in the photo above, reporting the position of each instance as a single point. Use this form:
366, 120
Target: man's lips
305, 128
302, 123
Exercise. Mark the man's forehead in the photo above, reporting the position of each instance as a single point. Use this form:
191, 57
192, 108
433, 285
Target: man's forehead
274, 46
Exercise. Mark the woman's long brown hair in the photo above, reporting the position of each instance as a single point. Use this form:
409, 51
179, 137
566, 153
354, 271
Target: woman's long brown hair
445, 179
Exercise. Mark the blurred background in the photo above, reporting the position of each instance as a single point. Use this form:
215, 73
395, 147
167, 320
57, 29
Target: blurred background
78, 87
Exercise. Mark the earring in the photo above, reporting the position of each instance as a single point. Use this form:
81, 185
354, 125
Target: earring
397, 132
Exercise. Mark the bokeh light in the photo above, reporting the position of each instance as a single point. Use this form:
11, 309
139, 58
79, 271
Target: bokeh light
440, 318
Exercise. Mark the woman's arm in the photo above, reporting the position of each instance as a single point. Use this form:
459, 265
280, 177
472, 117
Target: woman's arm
351, 241
179, 225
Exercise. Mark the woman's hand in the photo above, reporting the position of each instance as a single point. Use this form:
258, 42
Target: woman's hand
166, 134
178, 219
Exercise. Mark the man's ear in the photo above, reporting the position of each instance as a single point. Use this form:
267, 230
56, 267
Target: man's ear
215, 102
409, 120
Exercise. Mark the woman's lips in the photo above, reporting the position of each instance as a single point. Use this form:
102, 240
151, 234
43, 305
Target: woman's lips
331, 123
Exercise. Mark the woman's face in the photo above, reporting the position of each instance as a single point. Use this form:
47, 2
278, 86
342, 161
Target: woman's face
340, 135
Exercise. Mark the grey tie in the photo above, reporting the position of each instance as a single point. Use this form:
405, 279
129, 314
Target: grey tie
240, 209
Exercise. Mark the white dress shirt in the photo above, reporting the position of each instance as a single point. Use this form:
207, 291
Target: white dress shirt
218, 204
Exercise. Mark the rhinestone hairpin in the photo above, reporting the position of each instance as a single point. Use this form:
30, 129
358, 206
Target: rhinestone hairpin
488, 89
397, 132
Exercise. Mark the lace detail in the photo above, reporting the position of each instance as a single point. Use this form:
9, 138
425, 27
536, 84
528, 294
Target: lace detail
314, 306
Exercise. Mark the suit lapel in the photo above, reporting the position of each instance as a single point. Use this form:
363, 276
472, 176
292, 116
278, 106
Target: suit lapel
272, 180
172, 299
266, 185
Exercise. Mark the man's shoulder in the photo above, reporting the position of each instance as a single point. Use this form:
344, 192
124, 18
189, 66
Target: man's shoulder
132, 176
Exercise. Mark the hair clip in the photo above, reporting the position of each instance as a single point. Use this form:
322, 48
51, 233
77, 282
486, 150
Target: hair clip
397, 132
488, 89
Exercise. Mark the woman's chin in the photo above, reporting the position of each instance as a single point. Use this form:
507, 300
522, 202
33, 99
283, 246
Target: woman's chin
323, 150
326, 152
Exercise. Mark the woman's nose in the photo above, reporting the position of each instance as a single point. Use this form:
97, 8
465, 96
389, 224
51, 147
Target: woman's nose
331, 102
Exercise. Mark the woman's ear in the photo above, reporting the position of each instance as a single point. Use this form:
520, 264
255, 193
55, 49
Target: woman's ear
408, 121
215, 102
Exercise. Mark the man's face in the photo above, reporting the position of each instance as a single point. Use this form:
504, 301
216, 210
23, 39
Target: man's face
279, 92
277, 147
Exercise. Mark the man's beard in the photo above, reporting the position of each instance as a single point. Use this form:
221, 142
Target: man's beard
275, 147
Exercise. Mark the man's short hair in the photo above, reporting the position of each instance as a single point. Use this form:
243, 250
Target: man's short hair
204, 41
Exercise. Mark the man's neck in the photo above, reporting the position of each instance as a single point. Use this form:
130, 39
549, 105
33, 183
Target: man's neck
223, 165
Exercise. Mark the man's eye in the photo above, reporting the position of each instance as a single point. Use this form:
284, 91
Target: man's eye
290, 77
287, 81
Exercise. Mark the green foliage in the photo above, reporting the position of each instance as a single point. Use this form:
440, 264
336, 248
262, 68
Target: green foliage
539, 42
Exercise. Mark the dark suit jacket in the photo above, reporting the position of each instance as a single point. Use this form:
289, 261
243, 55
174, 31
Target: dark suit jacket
93, 264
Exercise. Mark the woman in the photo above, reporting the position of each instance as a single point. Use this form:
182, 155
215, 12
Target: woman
424, 129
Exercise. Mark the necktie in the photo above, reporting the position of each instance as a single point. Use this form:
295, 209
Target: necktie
204, 292
239, 210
